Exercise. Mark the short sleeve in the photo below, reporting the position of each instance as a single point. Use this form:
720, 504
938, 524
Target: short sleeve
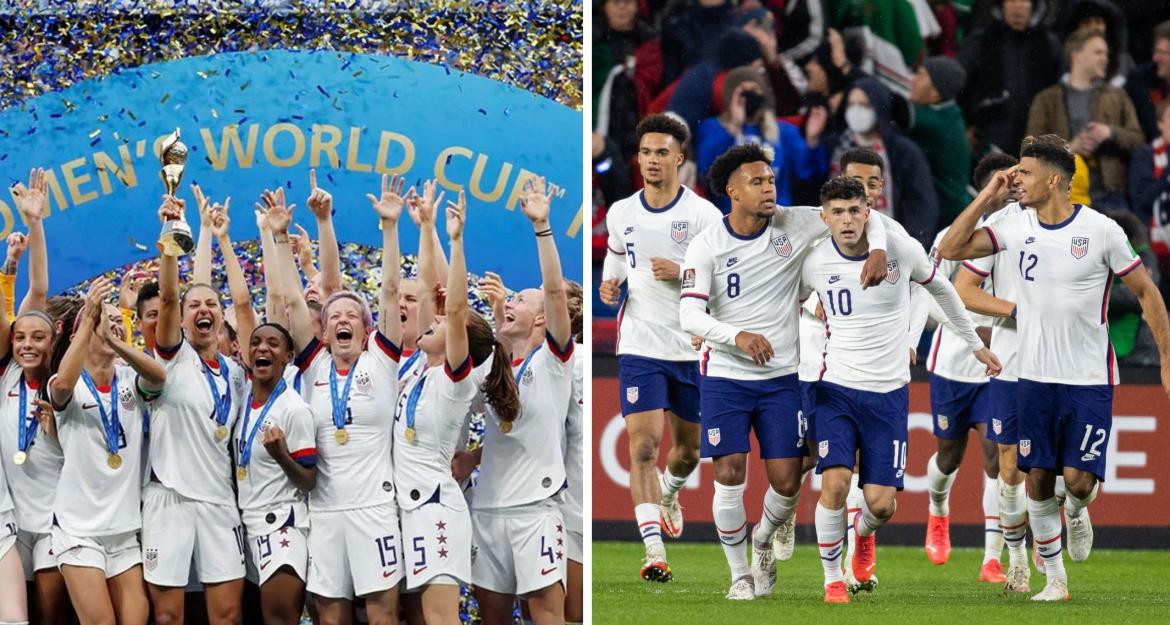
696, 272
301, 436
981, 267
709, 217
808, 222
562, 354
1005, 233
1119, 254
384, 353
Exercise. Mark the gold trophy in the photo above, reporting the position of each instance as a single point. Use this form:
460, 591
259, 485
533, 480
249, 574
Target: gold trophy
175, 238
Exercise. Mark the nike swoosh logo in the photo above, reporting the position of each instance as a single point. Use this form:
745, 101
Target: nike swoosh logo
262, 566
88, 406
390, 574
13, 394
417, 571
547, 571
320, 384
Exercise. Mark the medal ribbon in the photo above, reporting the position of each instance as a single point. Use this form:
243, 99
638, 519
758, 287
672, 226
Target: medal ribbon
524, 365
223, 403
245, 445
412, 401
340, 403
26, 432
111, 425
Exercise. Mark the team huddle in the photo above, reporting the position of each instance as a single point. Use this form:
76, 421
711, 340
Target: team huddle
800, 324
312, 449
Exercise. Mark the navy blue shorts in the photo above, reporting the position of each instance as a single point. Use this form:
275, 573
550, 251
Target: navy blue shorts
808, 404
850, 420
1064, 425
956, 406
649, 384
732, 409
1002, 427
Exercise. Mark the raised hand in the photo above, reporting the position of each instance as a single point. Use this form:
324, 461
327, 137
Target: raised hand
389, 204
17, 242
534, 202
320, 202
456, 217
276, 213
220, 222
33, 200
203, 205
171, 208
95, 299
128, 290
423, 206
497, 295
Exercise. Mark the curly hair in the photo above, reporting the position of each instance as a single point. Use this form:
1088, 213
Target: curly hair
731, 160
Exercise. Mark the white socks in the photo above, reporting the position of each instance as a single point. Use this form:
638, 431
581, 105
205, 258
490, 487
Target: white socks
649, 517
1013, 520
731, 524
830, 538
671, 483
868, 523
1073, 504
992, 534
853, 503
777, 509
1044, 518
938, 485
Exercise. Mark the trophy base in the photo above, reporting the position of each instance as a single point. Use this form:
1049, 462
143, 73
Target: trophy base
175, 239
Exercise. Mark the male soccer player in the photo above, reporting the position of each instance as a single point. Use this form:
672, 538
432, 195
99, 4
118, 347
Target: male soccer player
745, 271
862, 397
649, 233
1065, 256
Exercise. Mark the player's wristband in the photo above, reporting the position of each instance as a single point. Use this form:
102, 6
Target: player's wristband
547, 232
280, 238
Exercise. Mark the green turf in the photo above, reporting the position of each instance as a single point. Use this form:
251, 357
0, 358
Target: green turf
1113, 586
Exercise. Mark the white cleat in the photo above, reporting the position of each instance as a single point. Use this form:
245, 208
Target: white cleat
672, 519
855, 586
1017, 579
784, 540
743, 589
1054, 590
1080, 536
763, 570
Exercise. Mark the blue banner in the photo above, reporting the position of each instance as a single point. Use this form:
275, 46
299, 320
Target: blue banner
259, 120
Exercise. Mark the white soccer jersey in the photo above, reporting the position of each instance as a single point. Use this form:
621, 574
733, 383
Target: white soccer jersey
1065, 271
265, 487
812, 341
1004, 281
868, 346
184, 453
574, 504
749, 283
526, 464
359, 473
441, 401
409, 370
648, 323
32, 483
93, 499
949, 355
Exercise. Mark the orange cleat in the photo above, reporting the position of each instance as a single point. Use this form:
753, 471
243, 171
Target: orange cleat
864, 558
836, 593
992, 572
938, 538
656, 570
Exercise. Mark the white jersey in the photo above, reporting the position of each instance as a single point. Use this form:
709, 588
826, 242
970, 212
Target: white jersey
749, 283
32, 483
949, 355
266, 487
93, 499
1004, 281
574, 504
812, 341
184, 453
637, 233
526, 464
439, 398
868, 346
1065, 271
409, 370
358, 474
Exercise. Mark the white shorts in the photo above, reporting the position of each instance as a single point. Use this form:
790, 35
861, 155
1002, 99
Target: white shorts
177, 530
518, 550
436, 540
7, 532
575, 547
36, 552
354, 552
113, 555
287, 546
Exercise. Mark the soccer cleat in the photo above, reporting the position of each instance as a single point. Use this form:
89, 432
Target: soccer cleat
1017, 580
1080, 536
938, 538
1054, 590
855, 586
864, 560
784, 540
763, 570
1037, 559
672, 519
742, 589
655, 568
992, 572
836, 593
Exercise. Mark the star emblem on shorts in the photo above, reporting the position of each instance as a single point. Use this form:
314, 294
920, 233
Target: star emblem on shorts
560, 528
560, 555
442, 553
560, 541
284, 530
441, 525
284, 543
442, 539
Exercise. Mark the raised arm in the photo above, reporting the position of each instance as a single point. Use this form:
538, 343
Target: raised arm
389, 208
437, 260
237, 284
1154, 314
456, 307
32, 201
536, 206
422, 211
69, 371
963, 240
201, 272
169, 330
302, 247
287, 286
321, 205
275, 309
151, 374
17, 243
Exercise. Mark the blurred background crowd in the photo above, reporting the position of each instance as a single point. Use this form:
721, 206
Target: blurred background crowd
930, 85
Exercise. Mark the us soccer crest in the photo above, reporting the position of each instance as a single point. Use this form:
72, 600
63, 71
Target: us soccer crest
892, 273
151, 562
943, 422
1080, 247
1025, 446
126, 398
713, 436
632, 394
997, 426
362, 378
782, 245
823, 448
679, 231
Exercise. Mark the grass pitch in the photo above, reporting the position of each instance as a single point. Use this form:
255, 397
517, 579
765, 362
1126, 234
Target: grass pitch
1113, 586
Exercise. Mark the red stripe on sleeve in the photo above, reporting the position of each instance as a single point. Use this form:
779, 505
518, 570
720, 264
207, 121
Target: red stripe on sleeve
387, 346
167, 353
975, 270
564, 353
458, 373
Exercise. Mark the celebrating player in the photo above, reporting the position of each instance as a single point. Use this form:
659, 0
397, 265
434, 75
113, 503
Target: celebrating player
1068, 255
862, 398
649, 233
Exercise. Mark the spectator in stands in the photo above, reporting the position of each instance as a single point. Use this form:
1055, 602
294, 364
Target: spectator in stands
748, 117
1104, 17
627, 71
907, 196
687, 34
1149, 168
829, 72
1133, 342
611, 182
786, 79
937, 126
1007, 64
1097, 119
1148, 85
799, 26
693, 97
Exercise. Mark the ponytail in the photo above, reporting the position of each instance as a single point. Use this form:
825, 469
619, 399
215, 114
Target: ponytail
500, 387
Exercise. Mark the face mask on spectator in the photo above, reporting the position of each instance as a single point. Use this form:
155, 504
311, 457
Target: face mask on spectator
752, 101
860, 118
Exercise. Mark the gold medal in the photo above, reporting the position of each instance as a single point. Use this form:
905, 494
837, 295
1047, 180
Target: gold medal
505, 426
341, 436
19, 457
410, 435
115, 461
220, 433
241, 473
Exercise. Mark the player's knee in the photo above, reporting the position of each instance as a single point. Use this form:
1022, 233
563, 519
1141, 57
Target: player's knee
833, 494
644, 450
164, 616
280, 615
882, 508
689, 455
225, 615
1080, 486
730, 473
